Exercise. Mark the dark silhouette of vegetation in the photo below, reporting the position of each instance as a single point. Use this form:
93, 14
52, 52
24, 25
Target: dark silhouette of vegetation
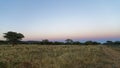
2, 42
77, 43
69, 41
31, 42
109, 43
13, 37
117, 42
58, 43
46, 42
112, 43
91, 43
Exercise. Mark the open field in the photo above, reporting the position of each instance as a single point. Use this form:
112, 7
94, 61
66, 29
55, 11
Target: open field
59, 56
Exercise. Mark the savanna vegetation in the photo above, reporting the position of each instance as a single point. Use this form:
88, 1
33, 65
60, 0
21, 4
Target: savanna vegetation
15, 53
60, 56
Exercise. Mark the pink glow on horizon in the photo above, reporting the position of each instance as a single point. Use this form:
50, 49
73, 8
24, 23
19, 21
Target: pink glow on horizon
63, 37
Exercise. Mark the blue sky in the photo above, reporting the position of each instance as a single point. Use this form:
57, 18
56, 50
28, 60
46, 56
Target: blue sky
61, 19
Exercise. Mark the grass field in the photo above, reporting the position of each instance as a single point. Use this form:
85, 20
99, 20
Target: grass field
59, 56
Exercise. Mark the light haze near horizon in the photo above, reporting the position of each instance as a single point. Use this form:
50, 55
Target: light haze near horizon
97, 20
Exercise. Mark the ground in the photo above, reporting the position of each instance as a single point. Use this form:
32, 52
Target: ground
59, 56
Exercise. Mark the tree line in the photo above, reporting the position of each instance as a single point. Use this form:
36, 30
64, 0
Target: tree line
15, 38
47, 42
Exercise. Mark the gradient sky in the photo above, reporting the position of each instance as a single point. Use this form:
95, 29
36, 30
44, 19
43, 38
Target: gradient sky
60, 19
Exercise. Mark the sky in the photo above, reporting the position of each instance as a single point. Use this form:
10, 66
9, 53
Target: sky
80, 20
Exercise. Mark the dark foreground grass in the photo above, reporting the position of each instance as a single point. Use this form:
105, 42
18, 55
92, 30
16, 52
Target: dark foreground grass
51, 56
115, 47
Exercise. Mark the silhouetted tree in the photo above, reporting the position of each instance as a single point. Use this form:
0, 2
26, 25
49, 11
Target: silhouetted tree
117, 42
76, 43
108, 43
96, 43
69, 41
46, 42
88, 43
13, 37
58, 43
91, 43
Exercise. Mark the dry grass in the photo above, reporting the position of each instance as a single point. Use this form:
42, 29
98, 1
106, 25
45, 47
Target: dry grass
51, 56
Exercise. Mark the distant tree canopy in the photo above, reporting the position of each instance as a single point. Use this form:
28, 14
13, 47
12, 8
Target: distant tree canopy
76, 43
69, 41
46, 42
58, 43
112, 43
91, 43
13, 37
117, 42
